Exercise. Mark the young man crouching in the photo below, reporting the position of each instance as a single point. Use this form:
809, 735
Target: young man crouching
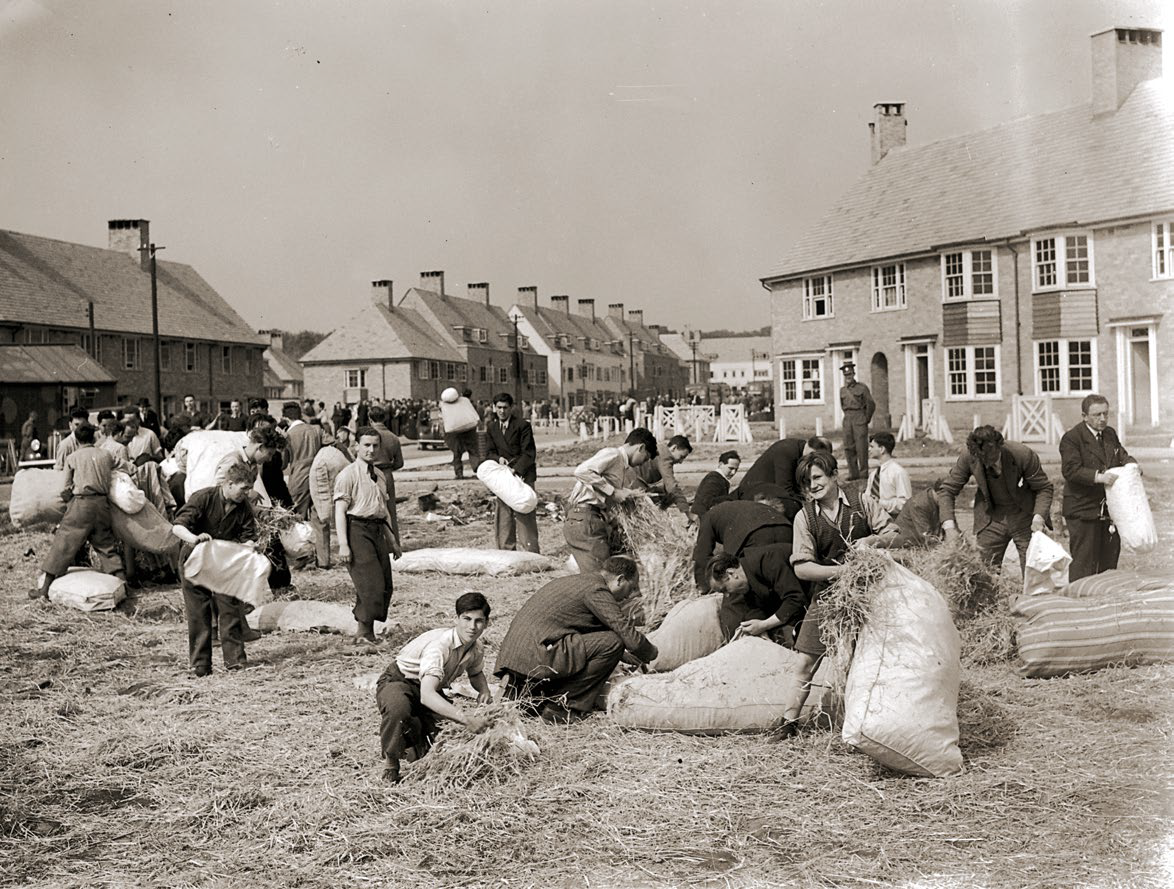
409, 694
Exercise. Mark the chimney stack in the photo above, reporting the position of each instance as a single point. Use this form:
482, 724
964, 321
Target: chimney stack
479, 292
562, 302
589, 309
887, 131
528, 293
381, 293
128, 235
433, 281
615, 310
1121, 59
276, 338
636, 316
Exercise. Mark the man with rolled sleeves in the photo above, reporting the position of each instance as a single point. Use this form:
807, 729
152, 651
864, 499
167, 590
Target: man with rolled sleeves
858, 406
1087, 450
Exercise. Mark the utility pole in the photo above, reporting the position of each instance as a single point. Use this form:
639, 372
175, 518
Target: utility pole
517, 365
155, 328
631, 365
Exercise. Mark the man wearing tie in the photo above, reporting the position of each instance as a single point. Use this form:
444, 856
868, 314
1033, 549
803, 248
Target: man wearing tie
888, 481
511, 443
1086, 451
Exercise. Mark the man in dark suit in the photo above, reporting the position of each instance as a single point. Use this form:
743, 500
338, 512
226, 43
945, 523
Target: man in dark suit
511, 443
920, 520
737, 526
760, 593
1014, 496
714, 488
568, 637
1086, 451
777, 466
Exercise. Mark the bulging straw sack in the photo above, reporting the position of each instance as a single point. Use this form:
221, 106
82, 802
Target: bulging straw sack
1046, 570
36, 497
1130, 509
231, 569
87, 590
505, 484
125, 494
691, 630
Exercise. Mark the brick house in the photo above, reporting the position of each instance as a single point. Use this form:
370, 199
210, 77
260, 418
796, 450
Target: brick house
653, 368
284, 378
383, 351
100, 299
583, 359
1032, 258
695, 356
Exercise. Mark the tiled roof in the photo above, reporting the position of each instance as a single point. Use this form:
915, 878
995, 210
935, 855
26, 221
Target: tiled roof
548, 322
377, 333
1052, 170
50, 364
724, 349
282, 365
444, 313
49, 282
619, 329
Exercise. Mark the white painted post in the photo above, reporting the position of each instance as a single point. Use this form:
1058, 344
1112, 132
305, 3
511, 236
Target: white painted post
819, 425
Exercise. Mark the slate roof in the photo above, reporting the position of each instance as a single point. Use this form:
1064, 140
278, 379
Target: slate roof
50, 364
282, 365
619, 329
549, 321
444, 313
1065, 168
50, 282
377, 333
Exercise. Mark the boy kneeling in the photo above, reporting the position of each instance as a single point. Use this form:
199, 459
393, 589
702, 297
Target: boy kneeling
409, 691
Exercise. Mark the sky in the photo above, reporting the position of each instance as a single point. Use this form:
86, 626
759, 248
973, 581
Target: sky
663, 155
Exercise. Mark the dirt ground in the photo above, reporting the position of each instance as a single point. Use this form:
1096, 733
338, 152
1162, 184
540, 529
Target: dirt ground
118, 769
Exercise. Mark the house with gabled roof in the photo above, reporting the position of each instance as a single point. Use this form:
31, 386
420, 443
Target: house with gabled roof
653, 368
1034, 258
382, 351
99, 299
283, 378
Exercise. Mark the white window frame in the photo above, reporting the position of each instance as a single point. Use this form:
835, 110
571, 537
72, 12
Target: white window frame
811, 298
131, 353
165, 356
799, 365
422, 371
462, 373
355, 378
1163, 249
503, 375
1061, 240
970, 395
1064, 366
541, 378
878, 288
968, 293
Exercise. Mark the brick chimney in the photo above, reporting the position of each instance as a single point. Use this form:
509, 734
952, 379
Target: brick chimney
276, 338
887, 130
615, 310
1121, 59
528, 293
562, 303
433, 281
128, 235
587, 307
479, 292
381, 293
636, 316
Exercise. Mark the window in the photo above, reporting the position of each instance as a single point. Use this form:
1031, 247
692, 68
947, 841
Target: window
434, 369
250, 357
1062, 261
130, 353
450, 371
226, 359
968, 274
541, 378
484, 374
1163, 251
802, 380
191, 357
1065, 367
34, 335
462, 373
422, 371
817, 297
570, 375
356, 378
503, 374
165, 356
482, 335
888, 287
972, 372
96, 352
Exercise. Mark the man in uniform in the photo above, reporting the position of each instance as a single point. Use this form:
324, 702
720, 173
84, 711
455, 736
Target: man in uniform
858, 407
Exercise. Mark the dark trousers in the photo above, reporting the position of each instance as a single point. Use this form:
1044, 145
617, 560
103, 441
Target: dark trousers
403, 720
459, 443
856, 443
1093, 548
515, 529
581, 664
390, 488
370, 568
993, 539
198, 605
586, 532
87, 518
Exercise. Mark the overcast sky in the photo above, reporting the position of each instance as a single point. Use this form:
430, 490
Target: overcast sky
663, 155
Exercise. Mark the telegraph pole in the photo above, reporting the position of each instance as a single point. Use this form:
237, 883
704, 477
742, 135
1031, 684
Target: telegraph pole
631, 365
155, 327
517, 365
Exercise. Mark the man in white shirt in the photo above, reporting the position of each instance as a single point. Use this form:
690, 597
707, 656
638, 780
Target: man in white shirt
79, 416
410, 690
888, 482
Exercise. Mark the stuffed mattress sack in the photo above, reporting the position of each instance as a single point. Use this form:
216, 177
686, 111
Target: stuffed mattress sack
204, 450
230, 569
36, 497
506, 485
87, 590
1129, 508
148, 530
308, 616
459, 416
466, 560
690, 630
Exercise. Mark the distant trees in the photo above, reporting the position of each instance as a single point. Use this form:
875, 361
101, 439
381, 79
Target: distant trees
295, 345
714, 334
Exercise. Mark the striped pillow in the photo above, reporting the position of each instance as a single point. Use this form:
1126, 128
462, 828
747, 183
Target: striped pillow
1059, 634
1116, 582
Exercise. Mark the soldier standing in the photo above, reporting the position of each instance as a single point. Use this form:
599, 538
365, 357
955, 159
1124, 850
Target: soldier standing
858, 406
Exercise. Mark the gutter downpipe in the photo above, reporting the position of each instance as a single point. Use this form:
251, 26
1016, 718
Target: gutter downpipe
1018, 323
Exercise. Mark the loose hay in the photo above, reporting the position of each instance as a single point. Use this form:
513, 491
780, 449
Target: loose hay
272, 520
460, 758
662, 543
846, 604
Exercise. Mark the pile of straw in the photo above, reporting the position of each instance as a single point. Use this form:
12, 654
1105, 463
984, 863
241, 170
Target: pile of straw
661, 542
272, 520
461, 758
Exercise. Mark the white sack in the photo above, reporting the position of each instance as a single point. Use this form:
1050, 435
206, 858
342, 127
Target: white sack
1129, 509
508, 485
901, 696
205, 449
125, 494
460, 416
169, 467
231, 569
1046, 570
465, 560
298, 541
690, 630
36, 497
87, 590
307, 615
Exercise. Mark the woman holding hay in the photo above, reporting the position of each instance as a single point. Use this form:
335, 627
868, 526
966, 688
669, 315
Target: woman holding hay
832, 521
409, 691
